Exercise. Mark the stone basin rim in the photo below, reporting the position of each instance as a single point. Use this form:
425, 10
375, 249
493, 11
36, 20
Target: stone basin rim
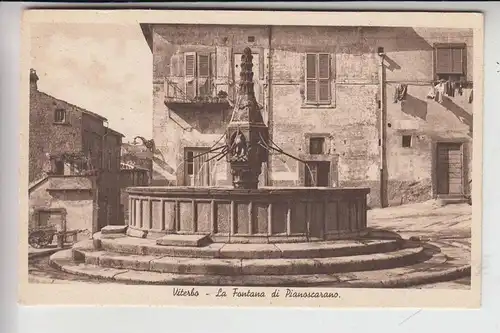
233, 191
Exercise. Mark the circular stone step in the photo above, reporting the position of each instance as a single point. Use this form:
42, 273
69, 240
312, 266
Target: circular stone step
132, 245
281, 266
436, 269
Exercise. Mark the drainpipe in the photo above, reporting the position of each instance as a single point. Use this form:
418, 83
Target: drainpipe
101, 169
269, 104
382, 137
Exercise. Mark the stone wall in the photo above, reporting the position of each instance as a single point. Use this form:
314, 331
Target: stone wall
45, 136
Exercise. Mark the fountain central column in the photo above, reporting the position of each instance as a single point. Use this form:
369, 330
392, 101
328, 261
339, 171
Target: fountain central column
246, 133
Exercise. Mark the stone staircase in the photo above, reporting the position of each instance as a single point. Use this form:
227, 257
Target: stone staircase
371, 262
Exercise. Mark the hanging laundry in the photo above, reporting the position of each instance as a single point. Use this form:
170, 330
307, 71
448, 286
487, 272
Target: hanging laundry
470, 96
400, 92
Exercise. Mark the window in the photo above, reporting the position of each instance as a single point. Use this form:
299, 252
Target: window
316, 146
406, 142
251, 39
60, 116
190, 163
449, 60
198, 74
318, 78
59, 167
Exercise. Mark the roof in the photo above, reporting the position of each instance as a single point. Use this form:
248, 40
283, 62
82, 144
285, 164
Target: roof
90, 113
147, 32
112, 131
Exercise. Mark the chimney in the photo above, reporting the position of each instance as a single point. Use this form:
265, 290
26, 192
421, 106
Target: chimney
33, 79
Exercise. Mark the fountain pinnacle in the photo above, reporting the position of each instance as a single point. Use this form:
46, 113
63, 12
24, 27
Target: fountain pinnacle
247, 135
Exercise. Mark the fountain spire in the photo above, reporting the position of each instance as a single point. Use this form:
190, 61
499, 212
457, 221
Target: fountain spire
246, 132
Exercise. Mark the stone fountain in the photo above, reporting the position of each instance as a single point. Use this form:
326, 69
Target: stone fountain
243, 235
246, 213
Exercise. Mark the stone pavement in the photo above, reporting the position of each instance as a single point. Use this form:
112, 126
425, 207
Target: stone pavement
427, 219
448, 227
34, 253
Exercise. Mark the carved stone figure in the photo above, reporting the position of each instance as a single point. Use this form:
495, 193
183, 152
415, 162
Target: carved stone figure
239, 145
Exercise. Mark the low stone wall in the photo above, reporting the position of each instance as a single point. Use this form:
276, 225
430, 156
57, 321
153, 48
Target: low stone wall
265, 215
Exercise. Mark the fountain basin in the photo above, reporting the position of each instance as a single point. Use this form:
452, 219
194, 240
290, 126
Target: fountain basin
264, 215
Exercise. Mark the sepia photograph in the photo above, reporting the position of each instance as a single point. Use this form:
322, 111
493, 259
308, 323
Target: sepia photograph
257, 159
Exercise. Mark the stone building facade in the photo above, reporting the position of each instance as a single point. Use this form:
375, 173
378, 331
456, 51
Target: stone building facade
357, 103
67, 142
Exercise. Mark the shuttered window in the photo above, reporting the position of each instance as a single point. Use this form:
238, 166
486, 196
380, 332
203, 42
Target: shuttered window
198, 74
449, 59
318, 78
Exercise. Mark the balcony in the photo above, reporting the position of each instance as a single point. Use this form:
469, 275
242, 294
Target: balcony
195, 97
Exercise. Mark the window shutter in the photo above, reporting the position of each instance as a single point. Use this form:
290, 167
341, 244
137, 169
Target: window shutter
213, 64
190, 64
457, 61
189, 74
311, 83
443, 61
324, 77
204, 75
311, 66
203, 65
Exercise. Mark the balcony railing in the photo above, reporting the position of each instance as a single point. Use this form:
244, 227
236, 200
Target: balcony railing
175, 96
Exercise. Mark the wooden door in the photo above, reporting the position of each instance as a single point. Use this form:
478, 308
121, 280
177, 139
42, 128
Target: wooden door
318, 174
450, 169
197, 169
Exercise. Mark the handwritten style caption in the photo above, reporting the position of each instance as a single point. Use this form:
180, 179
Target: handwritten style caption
235, 292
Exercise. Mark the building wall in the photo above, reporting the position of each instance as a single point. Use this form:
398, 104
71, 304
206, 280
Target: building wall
73, 194
350, 122
82, 131
47, 137
411, 171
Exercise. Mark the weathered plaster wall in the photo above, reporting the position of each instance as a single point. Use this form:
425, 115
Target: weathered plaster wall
79, 205
351, 120
175, 129
411, 170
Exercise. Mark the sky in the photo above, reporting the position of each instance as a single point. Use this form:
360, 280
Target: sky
104, 68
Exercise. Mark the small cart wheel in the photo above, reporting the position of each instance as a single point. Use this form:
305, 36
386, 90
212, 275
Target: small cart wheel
47, 238
35, 239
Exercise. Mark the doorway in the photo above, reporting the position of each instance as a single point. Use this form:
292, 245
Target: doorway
450, 169
317, 174
196, 169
